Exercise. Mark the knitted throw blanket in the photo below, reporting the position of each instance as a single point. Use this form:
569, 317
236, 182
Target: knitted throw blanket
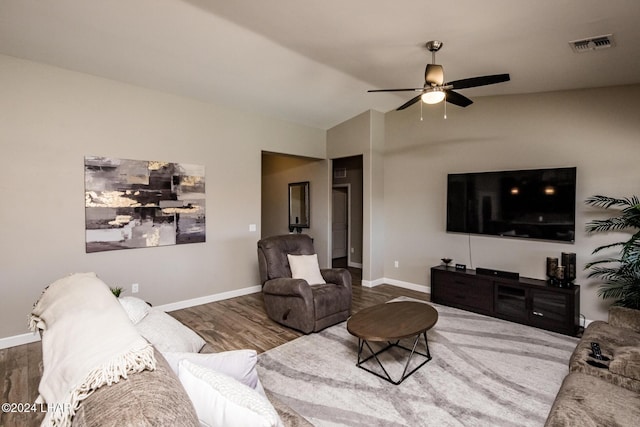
87, 341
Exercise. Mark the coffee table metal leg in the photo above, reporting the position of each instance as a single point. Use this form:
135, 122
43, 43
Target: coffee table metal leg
413, 351
374, 355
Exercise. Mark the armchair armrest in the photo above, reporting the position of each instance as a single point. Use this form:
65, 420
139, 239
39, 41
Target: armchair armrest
622, 317
286, 286
338, 276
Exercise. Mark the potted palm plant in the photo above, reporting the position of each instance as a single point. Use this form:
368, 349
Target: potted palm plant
620, 274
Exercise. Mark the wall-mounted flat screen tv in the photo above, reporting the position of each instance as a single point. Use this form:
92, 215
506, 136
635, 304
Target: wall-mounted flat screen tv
531, 204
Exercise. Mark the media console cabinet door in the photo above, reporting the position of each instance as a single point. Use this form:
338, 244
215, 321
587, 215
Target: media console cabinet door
511, 302
555, 310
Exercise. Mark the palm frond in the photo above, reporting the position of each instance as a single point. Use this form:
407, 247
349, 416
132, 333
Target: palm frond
611, 224
609, 246
631, 250
606, 202
632, 216
620, 275
611, 291
601, 261
631, 257
607, 274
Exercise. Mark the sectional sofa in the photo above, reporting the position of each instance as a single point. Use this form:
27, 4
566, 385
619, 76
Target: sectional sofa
605, 392
111, 362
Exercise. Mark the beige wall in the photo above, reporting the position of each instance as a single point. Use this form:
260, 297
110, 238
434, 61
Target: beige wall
596, 130
277, 172
51, 118
376, 227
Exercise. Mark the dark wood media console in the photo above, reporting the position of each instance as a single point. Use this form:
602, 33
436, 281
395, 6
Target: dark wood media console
528, 301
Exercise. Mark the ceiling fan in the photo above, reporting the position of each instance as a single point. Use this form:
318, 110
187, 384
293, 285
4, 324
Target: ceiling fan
435, 90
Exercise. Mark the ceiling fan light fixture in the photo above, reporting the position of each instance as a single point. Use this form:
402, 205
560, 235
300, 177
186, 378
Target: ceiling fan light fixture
435, 90
432, 97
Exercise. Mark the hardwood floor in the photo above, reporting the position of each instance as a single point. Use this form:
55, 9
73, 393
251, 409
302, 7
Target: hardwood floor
20, 374
231, 324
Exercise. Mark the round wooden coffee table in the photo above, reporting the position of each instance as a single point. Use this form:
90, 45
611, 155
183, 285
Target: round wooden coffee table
392, 322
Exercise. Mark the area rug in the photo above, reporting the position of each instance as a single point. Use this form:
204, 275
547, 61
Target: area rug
484, 372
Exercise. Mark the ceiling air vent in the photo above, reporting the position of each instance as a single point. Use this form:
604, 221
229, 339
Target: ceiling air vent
592, 43
340, 173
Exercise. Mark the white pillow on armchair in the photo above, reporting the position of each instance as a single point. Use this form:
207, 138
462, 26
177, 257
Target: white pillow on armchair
306, 267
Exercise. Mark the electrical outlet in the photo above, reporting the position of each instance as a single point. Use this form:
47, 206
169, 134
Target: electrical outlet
135, 288
252, 227
353, 250
396, 264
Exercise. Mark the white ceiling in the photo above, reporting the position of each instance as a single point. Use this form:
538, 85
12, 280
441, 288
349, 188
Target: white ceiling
311, 62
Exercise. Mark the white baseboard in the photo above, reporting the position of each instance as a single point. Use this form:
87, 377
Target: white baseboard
19, 340
398, 283
355, 264
372, 283
408, 285
33, 337
209, 298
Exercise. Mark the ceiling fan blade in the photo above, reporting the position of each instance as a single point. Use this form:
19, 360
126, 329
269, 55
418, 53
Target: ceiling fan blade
479, 81
414, 89
456, 99
434, 75
409, 103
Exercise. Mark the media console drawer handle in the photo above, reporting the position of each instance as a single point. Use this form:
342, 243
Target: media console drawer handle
537, 313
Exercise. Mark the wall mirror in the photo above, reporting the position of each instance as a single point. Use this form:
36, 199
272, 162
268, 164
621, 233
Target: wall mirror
299, 206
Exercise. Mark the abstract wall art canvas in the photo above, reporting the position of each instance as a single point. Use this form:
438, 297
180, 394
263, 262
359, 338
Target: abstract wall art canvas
140, 204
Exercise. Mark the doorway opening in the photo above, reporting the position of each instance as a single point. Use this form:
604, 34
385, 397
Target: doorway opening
346, 209
341, 211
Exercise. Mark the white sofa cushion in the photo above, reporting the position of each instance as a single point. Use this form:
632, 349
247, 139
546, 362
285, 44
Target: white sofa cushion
168, 334
238, 364
136, 308
221, 401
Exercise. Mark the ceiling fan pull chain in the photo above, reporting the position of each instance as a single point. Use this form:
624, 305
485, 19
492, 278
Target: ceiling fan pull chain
421, 111
445, 108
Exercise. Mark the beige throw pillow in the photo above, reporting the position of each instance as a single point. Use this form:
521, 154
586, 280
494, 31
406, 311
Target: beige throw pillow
306, 267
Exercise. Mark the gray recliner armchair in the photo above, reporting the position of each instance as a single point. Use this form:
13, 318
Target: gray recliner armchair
293, 302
